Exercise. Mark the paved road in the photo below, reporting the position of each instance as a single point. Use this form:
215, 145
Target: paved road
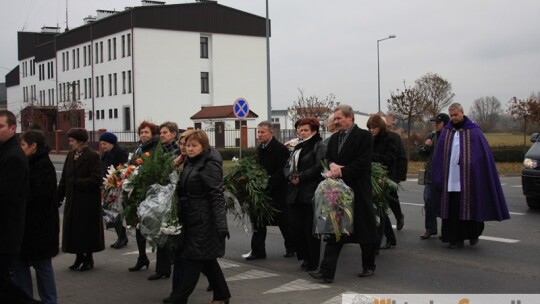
505, 261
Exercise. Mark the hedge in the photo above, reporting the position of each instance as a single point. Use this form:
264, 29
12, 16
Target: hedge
502, 154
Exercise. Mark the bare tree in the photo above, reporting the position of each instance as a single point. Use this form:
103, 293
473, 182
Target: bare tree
436, 92
312, 106
526, 109
408, 105
72, 105
485, 111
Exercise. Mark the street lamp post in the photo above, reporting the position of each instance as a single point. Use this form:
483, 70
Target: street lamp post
379, 70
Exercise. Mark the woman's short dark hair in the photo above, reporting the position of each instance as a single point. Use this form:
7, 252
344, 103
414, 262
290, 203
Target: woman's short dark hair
312, 122
146, 124
34, 137
376, 121
200, 137
171, 126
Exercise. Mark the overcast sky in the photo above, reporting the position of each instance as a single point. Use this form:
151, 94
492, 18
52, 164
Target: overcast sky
484, 48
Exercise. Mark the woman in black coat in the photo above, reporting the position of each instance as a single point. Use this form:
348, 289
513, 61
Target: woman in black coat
202, 213
385, 150
303, 171
148, 139
113, 155
40, 242
82, 232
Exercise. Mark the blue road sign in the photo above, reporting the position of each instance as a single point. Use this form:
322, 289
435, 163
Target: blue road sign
241, 108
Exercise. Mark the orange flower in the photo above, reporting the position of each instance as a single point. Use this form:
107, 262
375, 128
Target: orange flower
119, 184
147, 153
139, 161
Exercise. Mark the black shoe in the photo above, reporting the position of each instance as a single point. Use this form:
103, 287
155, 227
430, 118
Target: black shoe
474, 241
120, 243
167, 300
427, 235
457, 245
304, 265
141, 262
78, 262
388, 245
289, 254
252, 257
400, 222
366, 273
157, 276
311, 269
88, 263
113, 245
320, 276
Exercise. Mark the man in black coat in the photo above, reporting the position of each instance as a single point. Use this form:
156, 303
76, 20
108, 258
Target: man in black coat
349, 155
272, 156
14, 179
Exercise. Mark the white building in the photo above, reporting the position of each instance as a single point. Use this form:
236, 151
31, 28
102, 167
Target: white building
155, 62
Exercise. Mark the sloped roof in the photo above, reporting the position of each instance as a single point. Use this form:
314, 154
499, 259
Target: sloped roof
217, 112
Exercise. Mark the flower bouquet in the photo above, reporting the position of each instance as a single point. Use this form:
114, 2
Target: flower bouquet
246, 193
145, 171
111, 193
334, 207
381, 185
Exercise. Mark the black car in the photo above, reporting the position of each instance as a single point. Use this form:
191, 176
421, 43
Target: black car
530, 176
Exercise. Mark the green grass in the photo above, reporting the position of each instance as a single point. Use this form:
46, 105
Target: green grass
507, 139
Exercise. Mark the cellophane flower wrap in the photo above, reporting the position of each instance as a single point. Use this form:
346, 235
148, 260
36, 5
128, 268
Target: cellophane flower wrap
334, 208
158, 217
111, 194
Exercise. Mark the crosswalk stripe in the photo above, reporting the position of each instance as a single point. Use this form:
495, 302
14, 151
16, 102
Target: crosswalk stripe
297, 285
338, 299
224, 264
252, 274
496, 239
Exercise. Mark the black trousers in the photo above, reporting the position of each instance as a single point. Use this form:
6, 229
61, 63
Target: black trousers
9, 292
163, 260
308, 247
258, 238
394, 204
454, 230
385, 229
190, 277
331, 256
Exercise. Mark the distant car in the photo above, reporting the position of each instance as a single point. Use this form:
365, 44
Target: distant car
530, 176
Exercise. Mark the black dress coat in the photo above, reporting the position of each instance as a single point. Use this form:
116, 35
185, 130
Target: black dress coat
273, 159
308, 169
385, 151
42, 227
201, 207
116, 156
80, 185
355, 156
13, 191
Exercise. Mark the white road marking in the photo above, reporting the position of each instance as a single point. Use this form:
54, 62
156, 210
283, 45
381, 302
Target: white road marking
252, 274
224, 264
297, 285
517, 186
496, 239
339, 298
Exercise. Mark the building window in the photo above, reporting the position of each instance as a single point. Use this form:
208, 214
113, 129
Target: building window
124, 82
205, 86
102, 114
85, 88
89, 54
129, 45
110, 113
110, 84
123, 46
96, 50
78, 90
67, 61
115, 84
97, 86
78, 59
89, 87
127, 119
84, 55
74, 59
109, 48
102, 86
97, 114
101, 51
129, 81
114, 48
238, 123
204, 47
198, 126
115, 113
